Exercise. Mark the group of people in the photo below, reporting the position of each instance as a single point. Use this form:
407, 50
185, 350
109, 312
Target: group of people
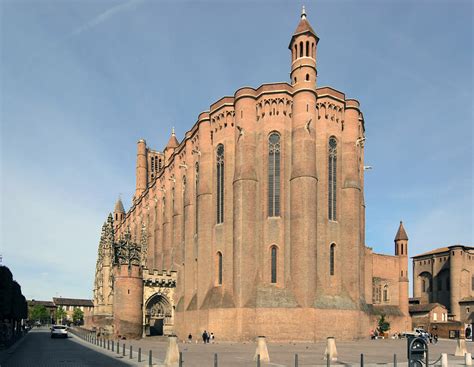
206, 337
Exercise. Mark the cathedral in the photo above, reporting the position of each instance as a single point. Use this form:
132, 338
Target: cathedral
253, 224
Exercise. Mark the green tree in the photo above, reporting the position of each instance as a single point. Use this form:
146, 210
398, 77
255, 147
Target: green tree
77, 316
38, 313
60, 315
384, 325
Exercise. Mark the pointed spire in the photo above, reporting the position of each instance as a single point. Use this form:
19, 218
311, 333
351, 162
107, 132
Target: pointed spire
173, 142
119, 206
304, 27
303, 13
401, 233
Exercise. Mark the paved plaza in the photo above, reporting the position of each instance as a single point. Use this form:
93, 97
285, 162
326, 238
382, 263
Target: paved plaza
38, 349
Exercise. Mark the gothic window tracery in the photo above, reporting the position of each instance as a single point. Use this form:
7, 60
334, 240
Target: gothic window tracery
274, 253
219, 268
220, 183
332, 178
332, 251
274, 148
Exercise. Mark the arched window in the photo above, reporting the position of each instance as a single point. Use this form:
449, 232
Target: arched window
332, 178
307, 77
423, 285
307, 48
312, 50
172, 201
385, 293
274, 175
296, 51
274, 253
220, 183
219, 268
301, 49
332, 251
196, 183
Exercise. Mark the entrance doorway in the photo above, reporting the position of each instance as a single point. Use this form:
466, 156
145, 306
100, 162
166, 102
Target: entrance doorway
158, 314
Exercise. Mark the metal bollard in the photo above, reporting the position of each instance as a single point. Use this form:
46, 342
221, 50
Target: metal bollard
118, 347
328, 360
216, 364
108, 344
180, 361
123, 350
394, 360
113, 344
130, 352
296, 360
258, 360
139, 354
362, 360
150, 359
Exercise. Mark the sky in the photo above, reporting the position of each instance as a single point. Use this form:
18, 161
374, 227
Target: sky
81, 81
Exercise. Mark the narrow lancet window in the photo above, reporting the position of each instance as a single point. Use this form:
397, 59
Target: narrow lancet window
332, 178
274, 175
220, 183
219, 268
196, 208
331, 258
274, 264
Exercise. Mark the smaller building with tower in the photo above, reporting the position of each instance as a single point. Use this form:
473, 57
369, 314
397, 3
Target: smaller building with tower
445, 276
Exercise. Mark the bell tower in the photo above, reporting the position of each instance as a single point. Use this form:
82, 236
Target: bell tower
401, 250
303, 46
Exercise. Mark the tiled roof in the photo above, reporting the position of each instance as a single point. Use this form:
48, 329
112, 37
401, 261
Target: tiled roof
426, 307
401, 233
467, 299
59, 301
34, 302
435, 251
119, 207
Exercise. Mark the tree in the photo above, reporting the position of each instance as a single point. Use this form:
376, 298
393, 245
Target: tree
60, 315
77, 316
384, 325
39, 313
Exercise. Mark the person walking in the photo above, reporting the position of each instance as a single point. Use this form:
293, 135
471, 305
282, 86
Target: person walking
204, 337
190, 338
212, 338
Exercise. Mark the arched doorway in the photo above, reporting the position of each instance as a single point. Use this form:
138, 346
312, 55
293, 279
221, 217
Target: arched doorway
158, 314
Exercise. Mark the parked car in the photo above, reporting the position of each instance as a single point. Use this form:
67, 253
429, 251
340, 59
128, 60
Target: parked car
59, 331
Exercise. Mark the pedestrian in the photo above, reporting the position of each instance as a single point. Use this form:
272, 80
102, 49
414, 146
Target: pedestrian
190, 338
204, 336
208, 337
435, 338
212, 338
468, 332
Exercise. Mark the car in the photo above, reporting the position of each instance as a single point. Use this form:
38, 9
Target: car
59, 331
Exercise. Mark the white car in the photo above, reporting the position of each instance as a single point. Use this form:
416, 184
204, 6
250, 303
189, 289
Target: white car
59, 331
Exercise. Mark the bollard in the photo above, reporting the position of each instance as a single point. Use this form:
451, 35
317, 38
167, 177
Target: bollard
172, 352
468, 359
139, 354
123, 350
130, 352
113, 344
108, 344
444, 360
118, 347
215, 360
180, 362
460, 348
258, 360
394, 360
362, 360
296, 360
331, 349
328, 361
150, 359
262, 350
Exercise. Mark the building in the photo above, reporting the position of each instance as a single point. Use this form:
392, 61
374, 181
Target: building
69, 304
253, 224
49, 305
446, 275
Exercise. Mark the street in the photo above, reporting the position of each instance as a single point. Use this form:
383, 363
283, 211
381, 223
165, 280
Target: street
39, 350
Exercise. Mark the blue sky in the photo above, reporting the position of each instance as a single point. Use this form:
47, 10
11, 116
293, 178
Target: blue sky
82, 81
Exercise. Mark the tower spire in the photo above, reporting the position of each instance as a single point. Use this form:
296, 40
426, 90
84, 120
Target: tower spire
303, 13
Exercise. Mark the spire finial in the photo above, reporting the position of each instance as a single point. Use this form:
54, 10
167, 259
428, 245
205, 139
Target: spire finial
303, 13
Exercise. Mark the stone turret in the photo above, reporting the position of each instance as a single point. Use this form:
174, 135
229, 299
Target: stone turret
119, 212
142, 169
170, 147
401, 250
128, 288
303, 180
